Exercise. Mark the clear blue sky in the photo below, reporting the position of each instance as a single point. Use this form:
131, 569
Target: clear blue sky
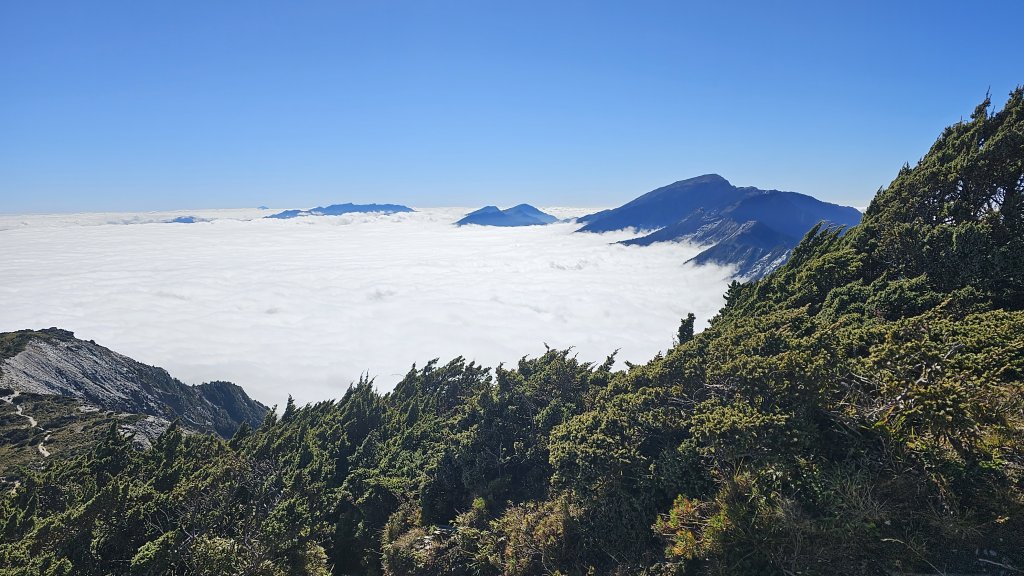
179, 104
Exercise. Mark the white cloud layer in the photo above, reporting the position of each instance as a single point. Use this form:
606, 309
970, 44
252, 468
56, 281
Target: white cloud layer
304, 306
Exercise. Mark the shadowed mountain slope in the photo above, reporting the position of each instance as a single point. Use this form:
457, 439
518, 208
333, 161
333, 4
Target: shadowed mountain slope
707, 210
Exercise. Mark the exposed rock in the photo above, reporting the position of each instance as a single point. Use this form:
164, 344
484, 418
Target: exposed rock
54, 362
145, 431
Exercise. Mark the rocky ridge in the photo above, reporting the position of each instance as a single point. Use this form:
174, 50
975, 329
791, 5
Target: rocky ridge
54, 362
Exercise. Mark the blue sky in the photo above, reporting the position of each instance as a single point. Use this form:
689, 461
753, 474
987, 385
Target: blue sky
172, 105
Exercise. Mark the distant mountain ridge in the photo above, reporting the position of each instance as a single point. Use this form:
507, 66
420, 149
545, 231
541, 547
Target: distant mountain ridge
520, 215
187, 220
749, 228
339, 209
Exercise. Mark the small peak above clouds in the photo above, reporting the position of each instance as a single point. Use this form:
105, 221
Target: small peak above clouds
188, 220
519, 215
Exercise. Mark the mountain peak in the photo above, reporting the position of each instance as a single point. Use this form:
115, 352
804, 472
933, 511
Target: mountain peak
704, 179
667, 205
750, 228
519, 215
485, 210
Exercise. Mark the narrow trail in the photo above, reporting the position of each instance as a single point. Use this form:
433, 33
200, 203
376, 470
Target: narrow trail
31, 421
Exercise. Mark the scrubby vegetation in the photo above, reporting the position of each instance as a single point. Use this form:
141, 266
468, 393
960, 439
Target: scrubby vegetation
860, 411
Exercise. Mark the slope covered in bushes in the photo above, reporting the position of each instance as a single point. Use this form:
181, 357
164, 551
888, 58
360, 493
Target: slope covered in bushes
859, 411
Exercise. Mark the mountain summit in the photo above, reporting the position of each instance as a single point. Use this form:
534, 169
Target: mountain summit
749, 228
521, 215
666, 205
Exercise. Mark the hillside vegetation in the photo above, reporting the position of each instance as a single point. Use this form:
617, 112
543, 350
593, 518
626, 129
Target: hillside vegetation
859, 411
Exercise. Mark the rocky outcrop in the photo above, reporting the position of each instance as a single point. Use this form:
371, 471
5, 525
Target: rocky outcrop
54, 362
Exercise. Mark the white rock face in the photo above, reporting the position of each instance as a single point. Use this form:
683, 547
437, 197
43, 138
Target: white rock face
57, 364
144, 432
76, 369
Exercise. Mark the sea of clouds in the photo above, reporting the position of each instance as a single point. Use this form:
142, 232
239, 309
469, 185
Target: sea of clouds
304, 306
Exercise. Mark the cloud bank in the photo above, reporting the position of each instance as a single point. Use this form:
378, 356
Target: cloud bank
305, 306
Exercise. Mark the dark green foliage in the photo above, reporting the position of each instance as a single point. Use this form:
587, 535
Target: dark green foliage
860, 411
685, 333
